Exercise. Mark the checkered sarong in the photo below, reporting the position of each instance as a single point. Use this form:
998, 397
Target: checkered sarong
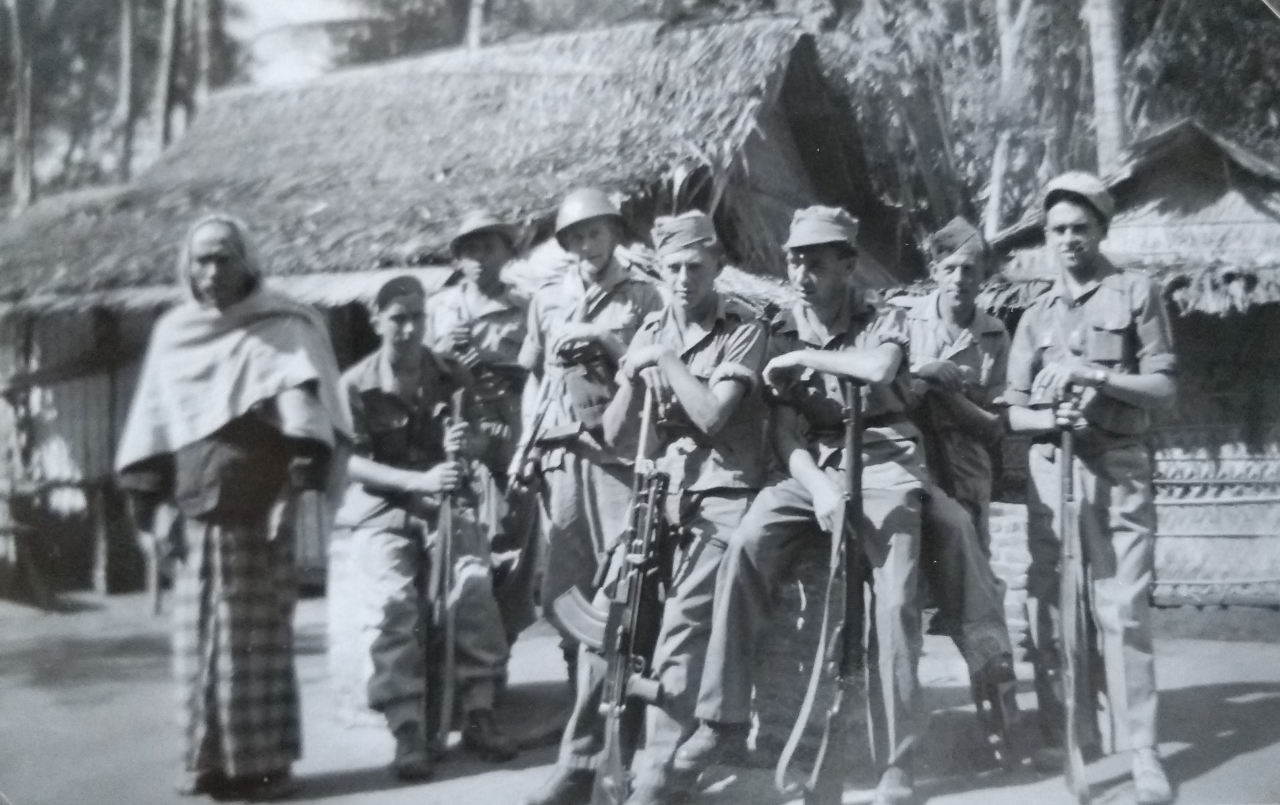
233, 600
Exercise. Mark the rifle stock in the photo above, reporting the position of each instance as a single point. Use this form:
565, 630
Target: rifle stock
1073, 613
825, 785
444, 619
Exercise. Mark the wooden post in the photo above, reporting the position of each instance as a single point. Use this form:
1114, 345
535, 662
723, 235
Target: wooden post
1102, 17
126, 104
21, 13
165, 70
101, 547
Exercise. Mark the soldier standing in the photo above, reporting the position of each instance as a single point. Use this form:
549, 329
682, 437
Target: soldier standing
481, 324
836, 331
1094, 353
578, 332
702, 355
400, 472
958, 359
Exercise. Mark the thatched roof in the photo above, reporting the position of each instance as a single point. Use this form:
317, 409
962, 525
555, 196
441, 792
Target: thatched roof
1197, 211
373, 167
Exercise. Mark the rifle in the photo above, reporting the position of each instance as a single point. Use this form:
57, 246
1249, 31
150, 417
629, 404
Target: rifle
443, 618
1073, 612
826, 781
628, 632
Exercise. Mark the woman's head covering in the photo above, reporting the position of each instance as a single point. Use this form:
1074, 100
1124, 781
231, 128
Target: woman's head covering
957, 237
239, 241
674, 233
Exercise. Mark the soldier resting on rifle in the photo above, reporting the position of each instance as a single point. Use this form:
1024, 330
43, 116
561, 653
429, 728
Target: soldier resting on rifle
1094, 352
836, 331
578, 332
958, 357
399, 474
702, 355
481, 324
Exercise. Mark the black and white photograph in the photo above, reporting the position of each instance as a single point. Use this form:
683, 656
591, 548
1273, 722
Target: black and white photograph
640, 402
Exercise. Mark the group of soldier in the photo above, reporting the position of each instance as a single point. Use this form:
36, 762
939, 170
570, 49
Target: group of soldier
747, 419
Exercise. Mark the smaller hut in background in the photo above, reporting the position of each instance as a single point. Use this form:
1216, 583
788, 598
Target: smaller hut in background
1202, 215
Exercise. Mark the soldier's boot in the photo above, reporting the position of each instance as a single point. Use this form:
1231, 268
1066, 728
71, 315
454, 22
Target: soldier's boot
482, 736
566, 786
413, 761
714, 743
657, 784
1149, 778
995, 694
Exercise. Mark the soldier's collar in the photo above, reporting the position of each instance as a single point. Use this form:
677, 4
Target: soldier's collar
929, 309
695, 332
1062, 291
854, 313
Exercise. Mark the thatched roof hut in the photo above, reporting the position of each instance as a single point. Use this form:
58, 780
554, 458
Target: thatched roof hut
373, 167
1202, 215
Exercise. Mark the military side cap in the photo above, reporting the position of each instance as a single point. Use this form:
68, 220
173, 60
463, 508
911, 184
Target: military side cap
1084, 186
957, 237
814, 226
398, 288
673, 233
480, 222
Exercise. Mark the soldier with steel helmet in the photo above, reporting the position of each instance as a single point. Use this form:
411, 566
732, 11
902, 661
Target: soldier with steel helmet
578, 332
1094, 353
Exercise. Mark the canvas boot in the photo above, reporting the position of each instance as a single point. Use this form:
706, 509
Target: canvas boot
712, 744
1149, 778
566, 786
482, 736
995, 688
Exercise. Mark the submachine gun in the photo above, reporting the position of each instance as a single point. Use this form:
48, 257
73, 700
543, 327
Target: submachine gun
627, 632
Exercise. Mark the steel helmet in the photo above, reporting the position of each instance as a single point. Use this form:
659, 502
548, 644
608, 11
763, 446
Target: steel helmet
583, 205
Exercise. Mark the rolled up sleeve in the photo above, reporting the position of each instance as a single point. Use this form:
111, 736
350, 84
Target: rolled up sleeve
1155, 338
1020, 369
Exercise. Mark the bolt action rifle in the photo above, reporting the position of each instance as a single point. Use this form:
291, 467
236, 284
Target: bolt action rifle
846, 570
628, 632
442, 631
1074, 614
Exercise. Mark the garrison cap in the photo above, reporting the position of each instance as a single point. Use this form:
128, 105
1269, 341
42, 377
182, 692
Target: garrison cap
1082, 186
479, 222
814, 226
957, 237
398, 288
673, 233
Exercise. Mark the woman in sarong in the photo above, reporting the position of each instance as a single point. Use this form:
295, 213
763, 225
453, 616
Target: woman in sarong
236, 420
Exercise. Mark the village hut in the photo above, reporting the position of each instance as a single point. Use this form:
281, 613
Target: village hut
362, 173
1202, 215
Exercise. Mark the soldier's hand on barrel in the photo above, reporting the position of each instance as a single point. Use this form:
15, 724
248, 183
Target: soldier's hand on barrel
642, 358
656, 380
443, 477
1054, 381
1069, 413
576, 336
828, 506
457, 438
780, 371
943, 374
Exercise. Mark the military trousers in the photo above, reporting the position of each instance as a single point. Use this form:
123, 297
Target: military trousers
585, 505
764, 547
1117, 520
970, 596
381, 576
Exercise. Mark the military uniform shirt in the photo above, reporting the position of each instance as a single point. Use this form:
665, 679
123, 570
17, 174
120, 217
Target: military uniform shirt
619, 302
862, 324
1117, 323
729, 347
981, 350
406, 433
497, 327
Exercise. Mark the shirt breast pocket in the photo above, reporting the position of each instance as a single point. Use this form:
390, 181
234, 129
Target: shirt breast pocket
1108, 342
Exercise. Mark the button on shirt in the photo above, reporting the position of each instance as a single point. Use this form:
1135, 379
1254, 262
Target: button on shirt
1118, 323
729, 346
398, 429
619, 302
981, 350
862, 324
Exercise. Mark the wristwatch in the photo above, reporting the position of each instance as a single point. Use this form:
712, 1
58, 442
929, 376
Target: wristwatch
1099, 378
